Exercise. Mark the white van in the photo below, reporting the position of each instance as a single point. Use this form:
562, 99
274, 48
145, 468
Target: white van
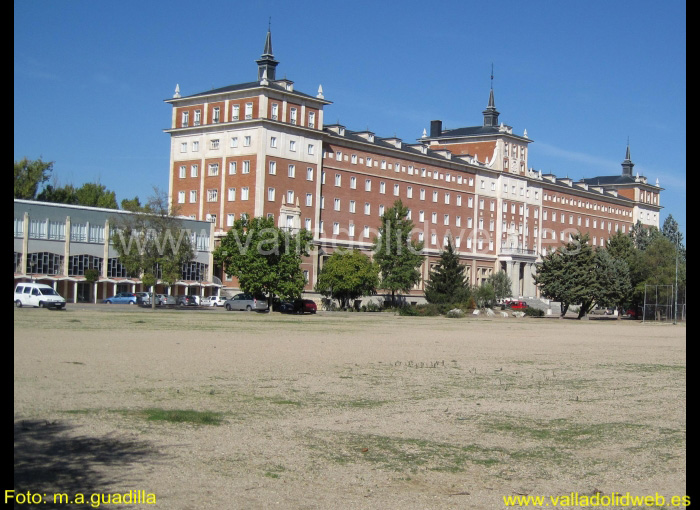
38, 294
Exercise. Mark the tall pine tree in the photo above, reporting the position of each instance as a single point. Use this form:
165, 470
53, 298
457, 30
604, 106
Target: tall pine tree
447, 283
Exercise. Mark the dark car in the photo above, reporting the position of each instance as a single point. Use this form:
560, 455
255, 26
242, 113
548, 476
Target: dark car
298, 306
189, 300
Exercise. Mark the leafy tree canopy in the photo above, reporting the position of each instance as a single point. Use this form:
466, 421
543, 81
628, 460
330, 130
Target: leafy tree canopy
264, 258
348, 275
30, 175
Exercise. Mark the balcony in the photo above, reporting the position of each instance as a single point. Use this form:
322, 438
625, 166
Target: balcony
517, 250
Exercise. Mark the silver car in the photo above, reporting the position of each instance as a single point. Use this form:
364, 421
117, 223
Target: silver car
246, 302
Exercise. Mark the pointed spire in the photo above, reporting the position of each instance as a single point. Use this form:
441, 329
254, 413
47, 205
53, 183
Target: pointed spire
320, 92
491, 114
267, 60
627, 163
176, 95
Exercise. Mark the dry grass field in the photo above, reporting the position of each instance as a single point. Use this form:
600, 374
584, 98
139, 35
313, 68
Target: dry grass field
209, 409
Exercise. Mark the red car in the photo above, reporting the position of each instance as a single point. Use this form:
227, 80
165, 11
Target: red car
517, 305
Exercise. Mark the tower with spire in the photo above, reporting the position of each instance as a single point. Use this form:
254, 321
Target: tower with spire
627, 164
267, 63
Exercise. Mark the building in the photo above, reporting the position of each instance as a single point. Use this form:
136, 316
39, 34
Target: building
262, 148
57, 243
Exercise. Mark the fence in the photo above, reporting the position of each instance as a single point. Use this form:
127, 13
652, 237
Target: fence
662, 303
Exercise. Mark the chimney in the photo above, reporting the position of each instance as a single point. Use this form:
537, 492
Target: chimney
435, 128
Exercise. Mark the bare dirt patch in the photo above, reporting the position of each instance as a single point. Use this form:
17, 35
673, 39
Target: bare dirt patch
215, 409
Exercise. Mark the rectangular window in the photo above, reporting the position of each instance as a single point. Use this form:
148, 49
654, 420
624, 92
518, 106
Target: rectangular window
435, 196
232, 194
309, 199
337, 180
336, 228
271, 194
352, 206
181, 197
194, 170
365, 231
312, 119
216, 115
185, 119
382, 188
272, 168
421, 216
368, 185
433, 217
236, 112
248, 111
292, 146
197, 117
213, 169
232, 167
309, 174
291, 171
273, 142
310, 149
307, 223
246, 167
246, 141
212, 195
353, 182
458, 221
336, 204
245, 193
470, 202
409, 191
193, 196
293, 116
396, 190
234, 142
230, 219
183, 147
446, 219
367, 208
183, 172
275, 111
290, 197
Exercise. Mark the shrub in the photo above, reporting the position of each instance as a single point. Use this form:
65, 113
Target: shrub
534, 312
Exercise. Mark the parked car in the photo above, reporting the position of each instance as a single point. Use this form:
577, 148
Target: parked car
634, 313
517, 305
246, 302
214, 301
188, 300
121, 298
166, 300
144, 298
38, 295
298, 306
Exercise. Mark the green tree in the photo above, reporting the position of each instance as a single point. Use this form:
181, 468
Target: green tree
93, 194
348, 275
642, 236
30, 175
264, 258
153, 245
613, 286
501, 283
58, 194
398, 256
484, 294
567, 275
447, 283
133, 205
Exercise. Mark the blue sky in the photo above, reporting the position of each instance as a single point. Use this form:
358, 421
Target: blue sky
582, 77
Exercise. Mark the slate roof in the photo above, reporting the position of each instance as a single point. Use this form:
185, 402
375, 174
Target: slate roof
250, 85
